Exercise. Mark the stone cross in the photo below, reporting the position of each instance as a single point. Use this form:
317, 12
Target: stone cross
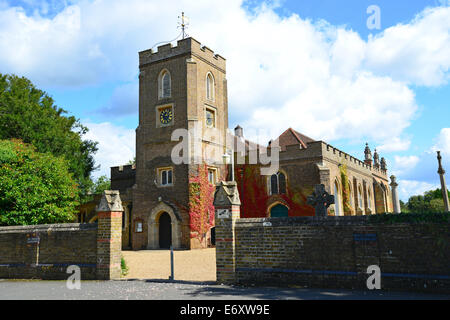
321, 200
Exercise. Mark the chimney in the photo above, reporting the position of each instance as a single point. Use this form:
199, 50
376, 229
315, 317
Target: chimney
239, 132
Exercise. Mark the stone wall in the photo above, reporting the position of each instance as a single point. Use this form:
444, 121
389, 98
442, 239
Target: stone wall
335, 252
45, 251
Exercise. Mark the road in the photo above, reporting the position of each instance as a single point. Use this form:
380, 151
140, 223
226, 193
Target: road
183, 290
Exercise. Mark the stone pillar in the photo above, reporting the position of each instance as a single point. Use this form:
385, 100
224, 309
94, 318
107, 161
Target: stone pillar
395, 198
227, 205
109, 236
441, 172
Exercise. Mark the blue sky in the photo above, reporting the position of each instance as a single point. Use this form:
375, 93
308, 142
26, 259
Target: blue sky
311, 65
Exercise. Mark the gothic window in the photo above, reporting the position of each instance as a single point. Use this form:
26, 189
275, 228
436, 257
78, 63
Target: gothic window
165, 85
277, 183
209, 87
350, 189
281, 183
369, 199
360, 201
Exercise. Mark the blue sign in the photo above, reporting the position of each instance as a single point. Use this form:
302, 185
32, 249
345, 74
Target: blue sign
365, 237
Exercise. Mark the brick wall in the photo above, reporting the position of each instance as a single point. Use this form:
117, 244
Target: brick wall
23, 256
336, 251
45, 251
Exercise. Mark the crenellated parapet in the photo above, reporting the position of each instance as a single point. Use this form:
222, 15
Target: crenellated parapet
183, 47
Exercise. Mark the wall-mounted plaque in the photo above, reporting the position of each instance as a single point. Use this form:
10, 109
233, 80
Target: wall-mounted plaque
223, 213
33, 240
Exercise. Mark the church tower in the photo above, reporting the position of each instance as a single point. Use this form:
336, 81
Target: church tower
182, 87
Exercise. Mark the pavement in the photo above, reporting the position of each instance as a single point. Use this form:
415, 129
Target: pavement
185, 290
189, 265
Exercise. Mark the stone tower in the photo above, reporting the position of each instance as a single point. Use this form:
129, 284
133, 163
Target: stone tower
181, 87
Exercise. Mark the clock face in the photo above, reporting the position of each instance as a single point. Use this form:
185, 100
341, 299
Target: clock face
166, 116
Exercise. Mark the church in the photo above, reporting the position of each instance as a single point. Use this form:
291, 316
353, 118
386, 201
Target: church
183, 88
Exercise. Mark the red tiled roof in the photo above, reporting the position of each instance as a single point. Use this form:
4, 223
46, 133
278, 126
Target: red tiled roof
291, 137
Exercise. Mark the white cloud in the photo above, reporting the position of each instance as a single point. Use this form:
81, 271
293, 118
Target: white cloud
404, 164
443, 143
324, 81
417, 174
394, 144
408, 188
116, 145
417, 52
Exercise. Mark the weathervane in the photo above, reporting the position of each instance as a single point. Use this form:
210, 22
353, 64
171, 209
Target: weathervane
184, 22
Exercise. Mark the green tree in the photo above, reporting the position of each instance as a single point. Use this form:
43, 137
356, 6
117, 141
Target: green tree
101, 184
35, 188
431, 202
29, 114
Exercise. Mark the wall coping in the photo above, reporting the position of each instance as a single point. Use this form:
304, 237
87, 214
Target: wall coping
313, 220
49, 227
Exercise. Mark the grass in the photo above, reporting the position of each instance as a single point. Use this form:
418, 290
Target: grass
124, 267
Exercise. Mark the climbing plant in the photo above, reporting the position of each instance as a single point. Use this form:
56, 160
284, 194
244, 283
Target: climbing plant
348, 210
201, 207
254, 196
252, 191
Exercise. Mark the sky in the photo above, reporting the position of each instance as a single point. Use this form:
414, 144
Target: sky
346, 72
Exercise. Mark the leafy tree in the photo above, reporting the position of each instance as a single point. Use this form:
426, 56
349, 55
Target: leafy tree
35, 188
101, 184
132, 161
431, 202
29, 114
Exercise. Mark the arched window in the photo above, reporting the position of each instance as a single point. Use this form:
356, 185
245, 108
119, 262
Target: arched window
360, 201
279, 211
337, 199
165, 85
369, 199
278, 183
209, 87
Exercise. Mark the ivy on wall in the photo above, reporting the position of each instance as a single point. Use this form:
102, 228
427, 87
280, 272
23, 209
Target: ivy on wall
201, 207
252, 191
254, 197
346, 195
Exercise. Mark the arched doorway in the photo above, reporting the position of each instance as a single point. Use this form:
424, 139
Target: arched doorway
278, 211
165, 231
154, 226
